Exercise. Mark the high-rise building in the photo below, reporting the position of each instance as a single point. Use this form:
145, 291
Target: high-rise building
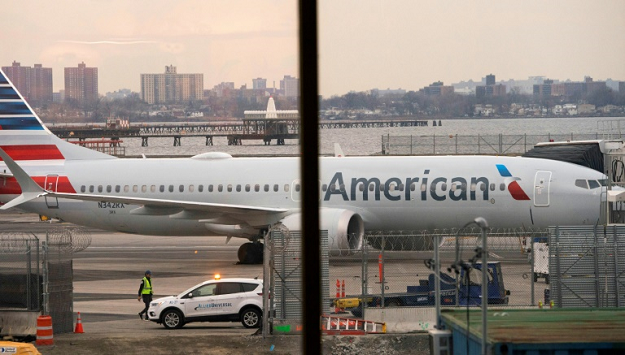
491, 88
171, 87
259, 84
35, 83
290, 86
437, 89
81, 83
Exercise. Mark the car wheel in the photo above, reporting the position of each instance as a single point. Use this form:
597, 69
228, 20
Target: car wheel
250, 318
172, 319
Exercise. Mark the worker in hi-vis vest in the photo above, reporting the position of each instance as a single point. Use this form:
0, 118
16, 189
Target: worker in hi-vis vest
145, 293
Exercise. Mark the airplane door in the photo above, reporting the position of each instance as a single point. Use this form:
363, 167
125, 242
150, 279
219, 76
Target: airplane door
51, 184
541, 188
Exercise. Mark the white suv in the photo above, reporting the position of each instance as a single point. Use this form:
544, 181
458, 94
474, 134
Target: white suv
212, 301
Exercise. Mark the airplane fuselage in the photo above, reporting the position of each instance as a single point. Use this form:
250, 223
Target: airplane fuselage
389, 193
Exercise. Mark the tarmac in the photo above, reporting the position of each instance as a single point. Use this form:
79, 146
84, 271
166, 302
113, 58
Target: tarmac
107, 276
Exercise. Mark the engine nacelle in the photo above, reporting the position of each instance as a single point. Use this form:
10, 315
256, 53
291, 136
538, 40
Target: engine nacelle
345, 228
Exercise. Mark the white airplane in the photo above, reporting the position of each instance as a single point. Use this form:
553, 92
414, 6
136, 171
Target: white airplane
214, 194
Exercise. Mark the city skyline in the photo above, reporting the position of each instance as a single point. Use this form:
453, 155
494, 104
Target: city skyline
362, 44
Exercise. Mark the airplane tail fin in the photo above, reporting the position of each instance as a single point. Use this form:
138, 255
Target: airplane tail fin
24, 137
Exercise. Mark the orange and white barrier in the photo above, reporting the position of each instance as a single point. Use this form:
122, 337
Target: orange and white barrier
44, 331
350, 326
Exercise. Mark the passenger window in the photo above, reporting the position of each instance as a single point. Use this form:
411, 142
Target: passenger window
181, 188
453, 187
581, 183
324, 187
144, 188
83, 188
286, 187
191, 188
297, 187
210, 188
99, 188
266, 188
423, 187
171, 188
257, 187
361, 187
593, 184
473, 187
153, 188
482, 187
238, 188
401, 187
413, 186
492, 187
109, 188
91, 188
135, 188
444, 186
200, 188
206, 290
371, 187
247, 187
220, 187
126, 188
226, 288
276, 188
332, 188
502, 186
162, 188
249, 287
229, 187
117, 188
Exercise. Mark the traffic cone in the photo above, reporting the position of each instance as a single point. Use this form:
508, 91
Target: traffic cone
78, 325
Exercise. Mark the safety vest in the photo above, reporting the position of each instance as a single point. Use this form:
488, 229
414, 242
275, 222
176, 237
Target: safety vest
147, 287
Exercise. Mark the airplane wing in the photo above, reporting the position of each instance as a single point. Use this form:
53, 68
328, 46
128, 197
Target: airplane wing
151, 206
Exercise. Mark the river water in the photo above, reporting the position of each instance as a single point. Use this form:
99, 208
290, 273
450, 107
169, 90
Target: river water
367, 141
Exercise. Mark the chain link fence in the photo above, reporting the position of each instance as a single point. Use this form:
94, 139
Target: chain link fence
394, 269
58, 299
36, 276
587, 266
500, 144
20, 274
283, 274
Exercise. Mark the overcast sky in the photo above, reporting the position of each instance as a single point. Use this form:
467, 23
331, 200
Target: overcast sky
364, 44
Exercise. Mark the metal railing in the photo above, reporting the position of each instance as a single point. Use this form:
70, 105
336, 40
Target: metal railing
500, 144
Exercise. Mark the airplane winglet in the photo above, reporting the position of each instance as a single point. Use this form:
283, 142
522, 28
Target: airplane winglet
30, 189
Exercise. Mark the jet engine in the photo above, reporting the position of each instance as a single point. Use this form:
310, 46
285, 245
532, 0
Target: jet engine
345, 229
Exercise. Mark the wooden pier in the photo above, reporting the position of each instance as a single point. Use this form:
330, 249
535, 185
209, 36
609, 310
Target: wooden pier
236, 132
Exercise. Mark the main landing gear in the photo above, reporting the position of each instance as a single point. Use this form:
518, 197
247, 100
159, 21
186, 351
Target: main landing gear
251, 253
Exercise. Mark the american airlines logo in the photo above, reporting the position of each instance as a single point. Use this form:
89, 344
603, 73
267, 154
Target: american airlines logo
513, 186
423, 188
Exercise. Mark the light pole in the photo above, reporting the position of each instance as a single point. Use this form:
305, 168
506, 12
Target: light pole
483, 224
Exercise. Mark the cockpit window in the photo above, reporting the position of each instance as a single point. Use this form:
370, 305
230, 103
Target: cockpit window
603, 182
593, 184
581, 183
